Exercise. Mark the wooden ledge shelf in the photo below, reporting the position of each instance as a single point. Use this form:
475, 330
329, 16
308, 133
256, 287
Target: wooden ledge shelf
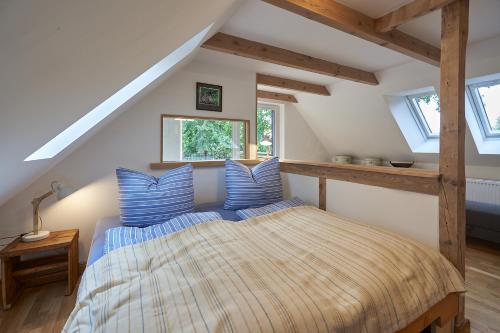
198, 164
412, 180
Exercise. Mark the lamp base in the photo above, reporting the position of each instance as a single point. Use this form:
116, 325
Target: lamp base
31, 237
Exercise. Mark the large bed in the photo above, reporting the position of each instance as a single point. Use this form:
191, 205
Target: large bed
98, 239
300, 269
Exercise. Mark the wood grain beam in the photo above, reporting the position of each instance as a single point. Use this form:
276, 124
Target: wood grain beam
254, 50
346, 19
411, 180
322, 193
276, 96
454, 33
452, 135
280, 82
407, 12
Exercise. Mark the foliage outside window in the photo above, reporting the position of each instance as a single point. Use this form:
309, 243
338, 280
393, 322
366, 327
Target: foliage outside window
195, 139
486, 102
426, 110
266, 115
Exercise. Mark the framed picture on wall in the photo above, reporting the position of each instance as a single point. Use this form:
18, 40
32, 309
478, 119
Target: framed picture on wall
208, 97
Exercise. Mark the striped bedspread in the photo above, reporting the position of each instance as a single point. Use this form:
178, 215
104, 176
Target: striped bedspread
296, 270
123, 236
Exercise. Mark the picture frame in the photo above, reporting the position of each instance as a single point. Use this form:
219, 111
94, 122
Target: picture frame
208, 97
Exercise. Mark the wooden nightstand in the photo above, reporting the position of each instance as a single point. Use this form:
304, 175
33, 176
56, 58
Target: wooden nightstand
17, 273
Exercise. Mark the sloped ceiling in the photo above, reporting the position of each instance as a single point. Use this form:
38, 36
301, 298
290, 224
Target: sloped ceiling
61, 58
355, 119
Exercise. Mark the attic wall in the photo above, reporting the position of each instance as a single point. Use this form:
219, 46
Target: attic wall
61, 58
300, 142
356, 119
132, 140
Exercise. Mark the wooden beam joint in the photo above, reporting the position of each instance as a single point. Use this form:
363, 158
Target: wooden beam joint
341, 17
407, 12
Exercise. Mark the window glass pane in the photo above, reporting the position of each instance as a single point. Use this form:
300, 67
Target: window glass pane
265, 131
490, 98
428, 106
189, 139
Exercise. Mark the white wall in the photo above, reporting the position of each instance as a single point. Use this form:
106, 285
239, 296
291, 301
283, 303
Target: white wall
301, 143
356, 119
413, 215
132, 140
60, 59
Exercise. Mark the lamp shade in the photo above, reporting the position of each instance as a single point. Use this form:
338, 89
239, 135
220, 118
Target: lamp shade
60, 190
266, 141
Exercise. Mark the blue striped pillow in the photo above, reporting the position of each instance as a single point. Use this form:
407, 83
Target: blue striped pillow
123, 236
253, 188
253, 212
146, 200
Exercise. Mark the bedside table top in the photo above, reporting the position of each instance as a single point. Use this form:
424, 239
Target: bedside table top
56, 239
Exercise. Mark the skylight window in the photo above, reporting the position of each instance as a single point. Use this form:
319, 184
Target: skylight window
425, 108
92, 118
486, 101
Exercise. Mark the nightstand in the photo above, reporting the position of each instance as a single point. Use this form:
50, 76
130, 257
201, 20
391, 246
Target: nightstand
17, 273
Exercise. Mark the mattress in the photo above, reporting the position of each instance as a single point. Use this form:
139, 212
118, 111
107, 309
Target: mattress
97, 246
297, 270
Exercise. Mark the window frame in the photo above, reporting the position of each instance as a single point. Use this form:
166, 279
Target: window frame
275, 108
246, 124
479, 109
418, 115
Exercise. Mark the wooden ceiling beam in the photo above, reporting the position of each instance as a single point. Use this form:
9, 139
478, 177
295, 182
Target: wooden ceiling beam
250, 49
276, 96
346, 19
280, 82
407, 12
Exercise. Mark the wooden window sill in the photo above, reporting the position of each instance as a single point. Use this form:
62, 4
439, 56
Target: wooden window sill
198, 164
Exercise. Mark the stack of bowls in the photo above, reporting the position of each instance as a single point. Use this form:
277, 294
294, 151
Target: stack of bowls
372, 161
342, 159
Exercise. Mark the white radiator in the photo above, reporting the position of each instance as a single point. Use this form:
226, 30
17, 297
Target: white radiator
483, 190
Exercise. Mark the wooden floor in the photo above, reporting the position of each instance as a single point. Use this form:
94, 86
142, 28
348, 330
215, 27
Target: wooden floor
45, 309
39, 310
482, 277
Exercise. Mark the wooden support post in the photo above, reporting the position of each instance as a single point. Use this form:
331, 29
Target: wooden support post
322, 193
454, 33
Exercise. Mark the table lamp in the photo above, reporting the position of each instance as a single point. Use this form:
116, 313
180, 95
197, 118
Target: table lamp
266, 142
61, 192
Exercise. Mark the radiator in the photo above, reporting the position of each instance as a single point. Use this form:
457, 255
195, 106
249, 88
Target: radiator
483, 190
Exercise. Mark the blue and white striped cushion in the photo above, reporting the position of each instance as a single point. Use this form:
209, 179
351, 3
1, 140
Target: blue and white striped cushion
146, 200
253, 188
253, 212
123, 236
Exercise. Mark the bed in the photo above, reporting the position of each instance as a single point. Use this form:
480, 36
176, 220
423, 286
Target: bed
97, 244
299, 269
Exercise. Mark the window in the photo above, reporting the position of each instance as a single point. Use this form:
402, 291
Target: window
266, 129
200, 139
425, 109
485, 99
110, 105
